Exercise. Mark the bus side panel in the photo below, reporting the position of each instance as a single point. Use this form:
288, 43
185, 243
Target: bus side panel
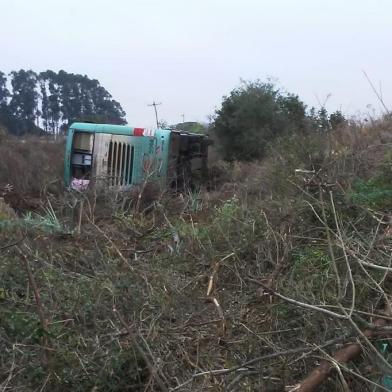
143, 169
162, 148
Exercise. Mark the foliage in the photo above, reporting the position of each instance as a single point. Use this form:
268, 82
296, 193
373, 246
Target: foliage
47, 222
253, 115
51, 101
372, 193
337, 119
24, 99
320, 120
256, 113
191, 126
4, 93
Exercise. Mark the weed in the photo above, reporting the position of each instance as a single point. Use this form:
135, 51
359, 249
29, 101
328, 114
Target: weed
373, 193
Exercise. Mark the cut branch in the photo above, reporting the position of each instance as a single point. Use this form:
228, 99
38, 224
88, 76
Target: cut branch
346, 354
298, 303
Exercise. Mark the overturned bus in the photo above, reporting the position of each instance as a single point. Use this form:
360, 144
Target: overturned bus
121, 156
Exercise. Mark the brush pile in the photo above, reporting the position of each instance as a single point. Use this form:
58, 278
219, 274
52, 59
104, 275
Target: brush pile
275, 273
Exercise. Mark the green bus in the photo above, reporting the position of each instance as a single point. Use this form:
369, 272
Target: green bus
121, 156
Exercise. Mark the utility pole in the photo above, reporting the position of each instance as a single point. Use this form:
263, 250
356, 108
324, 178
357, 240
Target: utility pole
156, 112
183, 117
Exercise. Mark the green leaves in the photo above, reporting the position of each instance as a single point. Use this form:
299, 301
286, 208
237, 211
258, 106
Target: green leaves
372, 193
253, 115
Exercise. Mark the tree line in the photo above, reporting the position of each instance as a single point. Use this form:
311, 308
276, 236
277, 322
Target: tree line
48, 102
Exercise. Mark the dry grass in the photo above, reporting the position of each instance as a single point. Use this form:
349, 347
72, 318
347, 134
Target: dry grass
30, 168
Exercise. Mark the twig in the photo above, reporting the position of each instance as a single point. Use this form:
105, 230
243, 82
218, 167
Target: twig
298, 303
375, 266
376, 92
220, 313
382, 360
151, 367
80, 217
116, 248
39, 307
214, 272
350, 275
329, 241
244, 367
12, 244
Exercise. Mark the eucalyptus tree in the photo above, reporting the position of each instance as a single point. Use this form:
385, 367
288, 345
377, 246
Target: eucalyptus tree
24, 98
4, 93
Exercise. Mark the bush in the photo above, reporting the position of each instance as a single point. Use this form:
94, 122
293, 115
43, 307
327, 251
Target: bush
252, 115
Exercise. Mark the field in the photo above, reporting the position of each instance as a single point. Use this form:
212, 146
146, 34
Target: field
269, 271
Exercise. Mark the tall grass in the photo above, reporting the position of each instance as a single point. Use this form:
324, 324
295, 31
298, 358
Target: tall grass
31, 166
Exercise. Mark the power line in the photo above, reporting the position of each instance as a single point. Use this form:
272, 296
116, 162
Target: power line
156, 112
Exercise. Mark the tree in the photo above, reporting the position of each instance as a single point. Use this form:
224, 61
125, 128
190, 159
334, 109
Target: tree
54, 100
23, 107
320, 120
42, 80
4, 93
337, 119
84, 99
24, 99
253, 115
50, 100
107, 107
5, 114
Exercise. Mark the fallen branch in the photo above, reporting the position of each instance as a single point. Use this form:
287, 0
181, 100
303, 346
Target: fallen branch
153, 369
245, 366
211, 280
220, 313
298, 303
12, 244
346, 354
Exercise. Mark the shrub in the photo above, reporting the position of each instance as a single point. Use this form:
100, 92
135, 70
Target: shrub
252, 115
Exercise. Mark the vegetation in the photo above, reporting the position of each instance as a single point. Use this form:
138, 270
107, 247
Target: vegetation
256, 113
191, 126
50, 101
270, 277
195, 291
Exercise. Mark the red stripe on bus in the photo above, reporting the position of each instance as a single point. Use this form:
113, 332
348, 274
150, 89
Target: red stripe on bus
138, 131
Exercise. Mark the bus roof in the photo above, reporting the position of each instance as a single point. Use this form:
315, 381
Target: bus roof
103, 128
124, 130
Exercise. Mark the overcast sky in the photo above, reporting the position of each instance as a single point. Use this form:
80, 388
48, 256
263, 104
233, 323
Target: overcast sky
188, 54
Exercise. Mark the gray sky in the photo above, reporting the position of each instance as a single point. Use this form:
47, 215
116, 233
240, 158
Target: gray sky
188, 54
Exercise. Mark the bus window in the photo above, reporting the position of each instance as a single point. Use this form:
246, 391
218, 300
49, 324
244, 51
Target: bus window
81, 159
